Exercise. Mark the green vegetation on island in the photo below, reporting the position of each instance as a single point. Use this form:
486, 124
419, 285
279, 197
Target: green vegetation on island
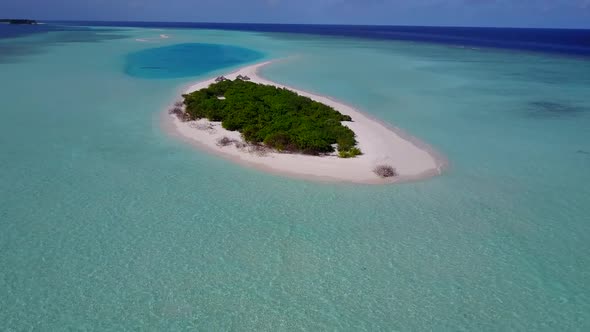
278, 118
17, 21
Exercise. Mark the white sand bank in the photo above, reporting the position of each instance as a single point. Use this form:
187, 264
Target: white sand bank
154, 39
380, 144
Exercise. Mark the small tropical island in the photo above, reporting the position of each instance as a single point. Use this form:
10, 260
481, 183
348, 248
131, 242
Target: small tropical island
18, 21
276, 117
257, 122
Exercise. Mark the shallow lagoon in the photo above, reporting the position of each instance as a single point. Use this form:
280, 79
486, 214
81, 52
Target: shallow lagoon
109, 223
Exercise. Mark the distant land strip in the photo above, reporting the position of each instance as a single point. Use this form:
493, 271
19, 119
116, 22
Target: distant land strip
17, 21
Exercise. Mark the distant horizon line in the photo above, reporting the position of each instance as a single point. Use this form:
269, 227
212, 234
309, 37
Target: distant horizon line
317, 24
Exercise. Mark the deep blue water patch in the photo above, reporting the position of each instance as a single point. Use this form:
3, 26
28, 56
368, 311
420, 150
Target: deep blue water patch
565, 41
21, 30
553, 109
185, 60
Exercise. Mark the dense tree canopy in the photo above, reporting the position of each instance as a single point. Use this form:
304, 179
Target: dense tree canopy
279, 118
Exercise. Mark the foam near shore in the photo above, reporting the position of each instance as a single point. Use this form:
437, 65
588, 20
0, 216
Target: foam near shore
380, 144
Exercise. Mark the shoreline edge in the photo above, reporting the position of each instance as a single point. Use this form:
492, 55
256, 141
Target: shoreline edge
381, 144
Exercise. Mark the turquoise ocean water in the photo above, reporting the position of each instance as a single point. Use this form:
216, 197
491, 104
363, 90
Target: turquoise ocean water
109, 223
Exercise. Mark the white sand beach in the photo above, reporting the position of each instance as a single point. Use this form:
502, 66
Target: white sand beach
381, 145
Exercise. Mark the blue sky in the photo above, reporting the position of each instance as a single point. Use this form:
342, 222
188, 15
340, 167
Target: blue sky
517, 13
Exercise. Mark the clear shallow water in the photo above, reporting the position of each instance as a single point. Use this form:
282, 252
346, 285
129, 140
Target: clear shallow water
19, 41
110, 224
